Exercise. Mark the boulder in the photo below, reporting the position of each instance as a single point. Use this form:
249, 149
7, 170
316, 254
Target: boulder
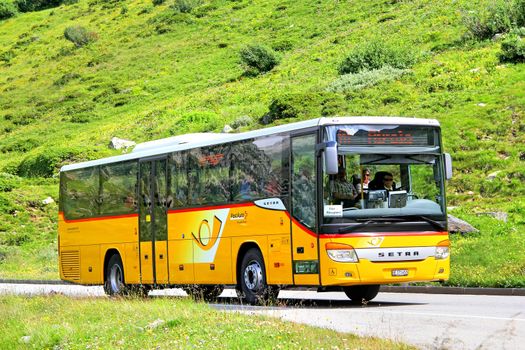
117, 143
456, 225
47, 201
227, 129
493, 175
498, 215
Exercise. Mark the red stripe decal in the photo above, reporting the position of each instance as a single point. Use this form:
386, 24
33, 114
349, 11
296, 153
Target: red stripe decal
111, 217
216, 207
383, 234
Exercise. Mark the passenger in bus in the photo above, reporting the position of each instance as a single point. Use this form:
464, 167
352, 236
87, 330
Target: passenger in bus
365, 175
343, 191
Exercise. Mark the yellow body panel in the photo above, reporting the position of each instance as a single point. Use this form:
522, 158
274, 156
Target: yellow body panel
368, 272
203, 247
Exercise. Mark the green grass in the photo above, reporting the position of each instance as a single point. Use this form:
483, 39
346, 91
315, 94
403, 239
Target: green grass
57, 322
154, 72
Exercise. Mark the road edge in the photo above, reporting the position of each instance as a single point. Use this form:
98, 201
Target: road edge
384, 288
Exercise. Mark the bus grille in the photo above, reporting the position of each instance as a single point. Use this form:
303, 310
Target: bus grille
70, 261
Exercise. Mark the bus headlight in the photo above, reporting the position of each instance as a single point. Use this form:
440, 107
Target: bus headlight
442, 250
341, 252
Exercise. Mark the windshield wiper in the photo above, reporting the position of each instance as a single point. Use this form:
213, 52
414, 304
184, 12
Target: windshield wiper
433, 222
365, 222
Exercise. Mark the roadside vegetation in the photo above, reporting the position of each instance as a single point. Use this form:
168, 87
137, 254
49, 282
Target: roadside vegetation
57, 322
74, 74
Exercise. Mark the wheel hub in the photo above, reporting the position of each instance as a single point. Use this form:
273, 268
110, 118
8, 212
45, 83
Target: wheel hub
253, 276
115, 278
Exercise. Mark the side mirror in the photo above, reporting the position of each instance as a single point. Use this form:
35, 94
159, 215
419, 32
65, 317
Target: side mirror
330, 158
448, 166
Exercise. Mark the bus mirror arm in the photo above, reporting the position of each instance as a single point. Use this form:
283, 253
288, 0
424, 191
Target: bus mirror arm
330, 156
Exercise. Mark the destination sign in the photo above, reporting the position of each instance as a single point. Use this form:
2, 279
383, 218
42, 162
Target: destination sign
399, 136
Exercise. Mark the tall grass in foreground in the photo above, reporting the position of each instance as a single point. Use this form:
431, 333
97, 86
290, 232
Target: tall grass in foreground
57, 322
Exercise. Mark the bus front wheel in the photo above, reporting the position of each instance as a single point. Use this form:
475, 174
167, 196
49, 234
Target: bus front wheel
361, 294
252, 279
114, 283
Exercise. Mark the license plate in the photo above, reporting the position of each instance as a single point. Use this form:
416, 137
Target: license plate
399, 273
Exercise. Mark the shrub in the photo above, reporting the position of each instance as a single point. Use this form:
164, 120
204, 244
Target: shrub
375, 55
158, 2
37, 5
198, 121
80, 36
47, 162
185, 6
304, 105
242, 121
366, 78
258, 58
7, 10
512, 50
499, 17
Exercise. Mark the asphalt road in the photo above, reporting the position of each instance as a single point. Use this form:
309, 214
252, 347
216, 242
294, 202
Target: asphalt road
429, 321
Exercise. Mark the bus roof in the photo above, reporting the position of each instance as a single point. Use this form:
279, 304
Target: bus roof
189, 141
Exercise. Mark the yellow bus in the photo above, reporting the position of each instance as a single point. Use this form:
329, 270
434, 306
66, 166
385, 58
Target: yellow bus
345, 203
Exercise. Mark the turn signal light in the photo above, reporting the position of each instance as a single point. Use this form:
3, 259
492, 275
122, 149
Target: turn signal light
442, 250
341, 252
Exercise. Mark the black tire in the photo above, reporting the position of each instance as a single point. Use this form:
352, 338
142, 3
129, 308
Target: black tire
252, 286
115, 284
204, 292
362, 294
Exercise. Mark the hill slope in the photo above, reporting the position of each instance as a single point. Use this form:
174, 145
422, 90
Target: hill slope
154, 72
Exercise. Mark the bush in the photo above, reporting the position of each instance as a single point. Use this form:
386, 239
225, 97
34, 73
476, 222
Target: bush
7, 10
47, 162
512, 50
185, 6
198, 121
158, 2
376, 55
258, 59
366, 78
37, 5
80, 36
304, 105
499, 17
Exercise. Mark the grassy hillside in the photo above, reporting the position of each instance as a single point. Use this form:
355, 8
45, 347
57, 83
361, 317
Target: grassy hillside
154, 71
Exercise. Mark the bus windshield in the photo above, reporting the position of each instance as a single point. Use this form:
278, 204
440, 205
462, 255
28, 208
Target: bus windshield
385, 172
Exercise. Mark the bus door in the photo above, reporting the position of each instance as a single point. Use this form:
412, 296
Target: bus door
305, 253
153, 233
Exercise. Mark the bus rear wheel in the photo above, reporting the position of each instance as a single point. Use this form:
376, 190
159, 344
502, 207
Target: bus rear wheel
252, 280
361, 294
114, 283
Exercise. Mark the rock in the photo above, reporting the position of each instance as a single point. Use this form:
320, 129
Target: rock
475, 70
522, 156
498, 215
456, 225
493, 175
498, 36
481, 104
227, 129
25, 339
157, 323
48, 200
117, 143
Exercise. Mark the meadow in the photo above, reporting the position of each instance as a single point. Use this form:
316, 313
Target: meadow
76, 75
59, 322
